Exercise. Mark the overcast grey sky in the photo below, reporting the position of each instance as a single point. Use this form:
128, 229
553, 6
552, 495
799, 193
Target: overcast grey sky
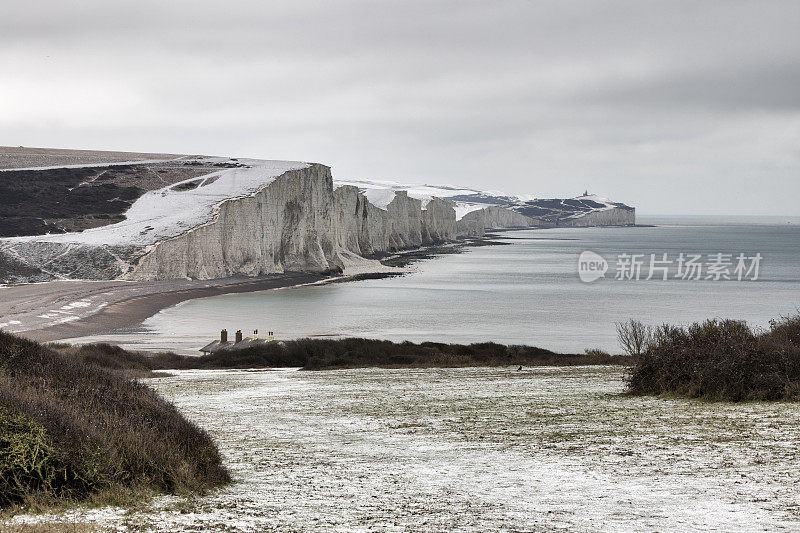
674, 107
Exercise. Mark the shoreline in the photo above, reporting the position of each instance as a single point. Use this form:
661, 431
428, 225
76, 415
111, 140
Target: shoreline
68, 309
62, 310
107, 306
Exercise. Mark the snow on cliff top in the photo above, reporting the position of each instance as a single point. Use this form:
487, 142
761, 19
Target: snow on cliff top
167, 212
595, 198
381, 193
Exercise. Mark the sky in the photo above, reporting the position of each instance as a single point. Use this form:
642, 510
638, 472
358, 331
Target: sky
674, 107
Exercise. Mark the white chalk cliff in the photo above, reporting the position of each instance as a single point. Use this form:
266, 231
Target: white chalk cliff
268, 217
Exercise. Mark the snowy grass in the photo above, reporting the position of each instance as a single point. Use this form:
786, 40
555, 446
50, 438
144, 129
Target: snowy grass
476, 449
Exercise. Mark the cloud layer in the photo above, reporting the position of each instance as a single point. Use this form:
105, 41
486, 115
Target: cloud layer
675, 107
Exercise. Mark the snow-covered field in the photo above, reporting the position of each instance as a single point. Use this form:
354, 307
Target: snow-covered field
476, 449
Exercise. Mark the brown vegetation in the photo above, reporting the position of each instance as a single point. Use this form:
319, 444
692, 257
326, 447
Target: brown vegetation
70, 430
321, 354
715, 359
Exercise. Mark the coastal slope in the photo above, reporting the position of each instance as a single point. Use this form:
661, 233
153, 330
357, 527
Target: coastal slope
477, 210
163, 216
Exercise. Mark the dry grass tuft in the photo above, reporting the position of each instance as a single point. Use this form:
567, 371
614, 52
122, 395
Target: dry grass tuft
70, 430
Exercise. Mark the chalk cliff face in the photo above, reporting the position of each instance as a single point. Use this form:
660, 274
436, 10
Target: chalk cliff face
218, 217
611, 217
300, 223
438, 222
287, 225
477, 210
350, 213
405, 222
361, 228
475, 223
367, 230
295, 222
498, 217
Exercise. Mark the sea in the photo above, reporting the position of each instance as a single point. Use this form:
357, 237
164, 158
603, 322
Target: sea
563, 289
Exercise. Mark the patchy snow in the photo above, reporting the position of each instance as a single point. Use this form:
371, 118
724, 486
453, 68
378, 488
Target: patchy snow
78, 304
164, 213
593, 198
381, 193
606, 204
472, 449
462, 208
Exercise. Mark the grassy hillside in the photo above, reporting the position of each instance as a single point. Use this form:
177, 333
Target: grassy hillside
716, 359
72, 430
321, 354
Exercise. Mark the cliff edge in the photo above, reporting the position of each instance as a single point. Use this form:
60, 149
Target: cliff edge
201, 217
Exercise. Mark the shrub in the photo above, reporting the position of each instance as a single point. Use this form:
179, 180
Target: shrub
634, 337
318, 354
28, 460
70, 429
720, 359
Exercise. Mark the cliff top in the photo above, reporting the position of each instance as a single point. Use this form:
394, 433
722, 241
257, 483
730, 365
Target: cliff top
120, 198
380, 193
23, 157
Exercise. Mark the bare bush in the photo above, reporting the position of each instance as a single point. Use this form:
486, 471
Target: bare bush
634, 337
718, 360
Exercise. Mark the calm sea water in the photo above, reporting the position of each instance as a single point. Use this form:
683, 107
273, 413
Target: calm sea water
525, 292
